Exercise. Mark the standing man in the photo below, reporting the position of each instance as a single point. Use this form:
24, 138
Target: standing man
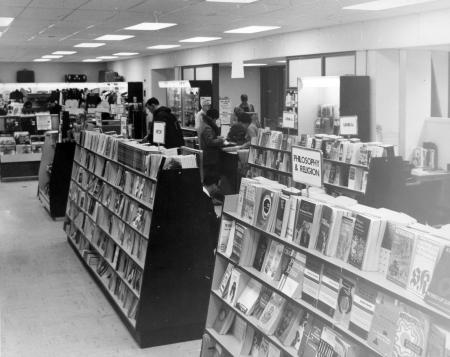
174, 134
199, 116
244, 106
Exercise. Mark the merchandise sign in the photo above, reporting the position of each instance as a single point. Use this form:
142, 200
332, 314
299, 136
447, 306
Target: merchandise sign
348, 125
289, 120
307, 166
159, 132
44, 121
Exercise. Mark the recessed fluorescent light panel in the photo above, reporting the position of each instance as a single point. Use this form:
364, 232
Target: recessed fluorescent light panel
42, 60
125, 54
92, 60
281, 61
384, 4
107, 57
114, 37
150, 26
253, 29
64, 52
162, 47
52, 56
234, 1
90, 44
201, 39
6, 21
254, 64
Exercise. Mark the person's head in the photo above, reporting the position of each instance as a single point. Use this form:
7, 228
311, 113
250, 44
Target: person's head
205, 107
213, 114
244, 98
245, 119
211, 182
152, 104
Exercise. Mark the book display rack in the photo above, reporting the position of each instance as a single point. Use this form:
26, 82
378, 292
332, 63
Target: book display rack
349, 166
130, 221
277, 291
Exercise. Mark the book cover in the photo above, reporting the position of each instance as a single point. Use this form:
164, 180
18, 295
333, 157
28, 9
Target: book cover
364, 300
249, 340
224, 320
332, 344
265, 208
273, 351
289, 219
345, 300
311, 280
358, 244
224, 236
311, 340
235, 280
271, 315
291, 281
438, 293
424, 259
249, 203
304, 223
290, 320
324, 229
238, 242
411, 334
384, 324
329, 290
224, 284
437, 342
260, 254
273, 259
282, 203
261, 303
401, 256
249, 296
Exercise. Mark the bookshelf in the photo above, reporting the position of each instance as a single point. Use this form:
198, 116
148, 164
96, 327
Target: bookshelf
125, 225
233, 344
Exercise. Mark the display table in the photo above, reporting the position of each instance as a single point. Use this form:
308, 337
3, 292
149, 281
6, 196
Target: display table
19, 167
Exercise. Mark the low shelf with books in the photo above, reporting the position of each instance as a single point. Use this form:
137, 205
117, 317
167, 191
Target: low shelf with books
325, 269
262, 167
128, 207
346, 163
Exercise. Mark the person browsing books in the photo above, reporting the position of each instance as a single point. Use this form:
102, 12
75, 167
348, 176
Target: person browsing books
238, 131
210, 141
173, 134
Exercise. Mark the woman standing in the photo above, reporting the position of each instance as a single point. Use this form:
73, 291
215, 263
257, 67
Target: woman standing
210, 141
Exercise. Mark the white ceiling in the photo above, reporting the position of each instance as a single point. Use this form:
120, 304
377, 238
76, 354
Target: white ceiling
44, 26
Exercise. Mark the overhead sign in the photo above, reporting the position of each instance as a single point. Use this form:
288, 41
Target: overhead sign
289, 120
159, 132
348, 125
307, 166
174, 84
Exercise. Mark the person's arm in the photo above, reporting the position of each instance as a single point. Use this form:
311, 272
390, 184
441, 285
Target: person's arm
210, 139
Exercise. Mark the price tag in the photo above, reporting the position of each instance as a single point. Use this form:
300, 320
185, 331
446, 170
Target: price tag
289, 120
159, 132
348, 125
307, 166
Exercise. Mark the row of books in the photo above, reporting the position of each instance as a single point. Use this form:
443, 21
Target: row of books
390, 327
126, 299
133, 243
285, 179
352, 177
276, 160
133, 184
117, 203
378, 240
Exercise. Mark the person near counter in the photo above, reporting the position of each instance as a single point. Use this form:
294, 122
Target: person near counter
210, 141
174, 134
199, 116
238, 132
244, 106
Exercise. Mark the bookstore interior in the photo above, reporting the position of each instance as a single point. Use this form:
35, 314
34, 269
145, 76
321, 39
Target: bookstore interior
262, 178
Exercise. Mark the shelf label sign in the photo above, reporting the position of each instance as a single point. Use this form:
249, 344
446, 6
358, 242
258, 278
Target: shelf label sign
159, 132
307, 166
289, 120
348, 125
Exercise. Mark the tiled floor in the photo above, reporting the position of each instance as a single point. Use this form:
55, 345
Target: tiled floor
50, 306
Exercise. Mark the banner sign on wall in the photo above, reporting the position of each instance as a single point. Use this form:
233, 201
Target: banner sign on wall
307, 166
159, 132
348, 125
289, 120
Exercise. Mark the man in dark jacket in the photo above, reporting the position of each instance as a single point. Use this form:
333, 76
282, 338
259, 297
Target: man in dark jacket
174, 135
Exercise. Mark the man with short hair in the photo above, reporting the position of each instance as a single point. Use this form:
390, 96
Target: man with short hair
174, 134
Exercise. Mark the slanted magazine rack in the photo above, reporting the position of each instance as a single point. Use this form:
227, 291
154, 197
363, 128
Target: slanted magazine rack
158, 280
